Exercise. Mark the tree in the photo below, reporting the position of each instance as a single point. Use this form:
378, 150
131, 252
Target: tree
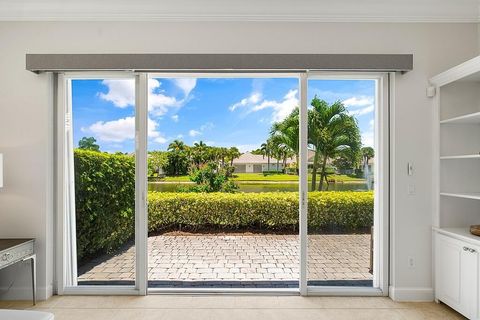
156, 161
331, 130
367, 154
286, 133
178, 158
233, 153
89, 143
266, 148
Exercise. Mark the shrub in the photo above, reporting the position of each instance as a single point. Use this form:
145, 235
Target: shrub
271, 211
210, 178
104, 201
105, 206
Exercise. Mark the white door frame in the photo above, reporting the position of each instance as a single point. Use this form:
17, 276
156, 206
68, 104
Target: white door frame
65, 284
383, 88
65, 251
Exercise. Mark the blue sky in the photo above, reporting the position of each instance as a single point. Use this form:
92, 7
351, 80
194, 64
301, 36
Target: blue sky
221, 112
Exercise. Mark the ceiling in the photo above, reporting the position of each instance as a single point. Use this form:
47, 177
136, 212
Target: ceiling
242, 10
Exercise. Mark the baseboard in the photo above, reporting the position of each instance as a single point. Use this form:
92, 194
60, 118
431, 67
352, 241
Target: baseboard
25, 293
411, 294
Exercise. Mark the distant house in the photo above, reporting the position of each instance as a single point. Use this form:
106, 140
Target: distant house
255, 163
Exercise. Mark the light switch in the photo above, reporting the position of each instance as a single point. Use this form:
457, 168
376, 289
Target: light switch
410, 169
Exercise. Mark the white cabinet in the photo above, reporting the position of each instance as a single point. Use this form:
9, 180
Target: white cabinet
456, 274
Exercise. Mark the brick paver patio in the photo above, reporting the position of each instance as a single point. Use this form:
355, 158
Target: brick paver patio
238, 257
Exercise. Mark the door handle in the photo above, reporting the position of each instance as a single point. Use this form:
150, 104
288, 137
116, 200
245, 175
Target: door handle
466, 249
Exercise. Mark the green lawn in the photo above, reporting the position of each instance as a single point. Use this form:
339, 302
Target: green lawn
270, 177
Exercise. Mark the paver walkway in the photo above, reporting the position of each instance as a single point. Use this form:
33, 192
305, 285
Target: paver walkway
239, 257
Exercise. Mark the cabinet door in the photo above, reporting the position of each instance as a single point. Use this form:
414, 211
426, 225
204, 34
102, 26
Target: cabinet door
456, 275
448, 257
469, 281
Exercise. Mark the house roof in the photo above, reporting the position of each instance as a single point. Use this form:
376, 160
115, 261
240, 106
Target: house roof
248, 157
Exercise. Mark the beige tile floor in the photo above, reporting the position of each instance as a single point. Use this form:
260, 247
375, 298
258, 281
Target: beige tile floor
212, 307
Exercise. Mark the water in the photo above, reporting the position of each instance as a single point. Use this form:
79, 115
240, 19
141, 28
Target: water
263, 187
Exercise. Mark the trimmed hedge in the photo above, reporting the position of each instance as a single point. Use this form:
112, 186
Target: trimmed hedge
105, 206
270, 210
104, 201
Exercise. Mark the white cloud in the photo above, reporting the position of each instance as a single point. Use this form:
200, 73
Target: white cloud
121, 130
206, 126
368, 136
121, 92
180, 136
175, 118
194, 133
247, 147
201, 130
361, 105
281, 109
255, 97
186, 84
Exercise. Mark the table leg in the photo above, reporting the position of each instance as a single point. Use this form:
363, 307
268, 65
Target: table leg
33, 264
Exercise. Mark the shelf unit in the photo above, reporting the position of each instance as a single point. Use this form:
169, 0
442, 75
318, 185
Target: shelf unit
456, 184
457, 144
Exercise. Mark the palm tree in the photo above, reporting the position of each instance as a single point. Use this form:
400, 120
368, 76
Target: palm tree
179, 152
266, 149
233, 153
176, 145
330, 130
367, 154
287, 133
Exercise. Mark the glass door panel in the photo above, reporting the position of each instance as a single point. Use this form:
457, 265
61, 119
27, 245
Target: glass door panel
223, 182
103, 153
341, 157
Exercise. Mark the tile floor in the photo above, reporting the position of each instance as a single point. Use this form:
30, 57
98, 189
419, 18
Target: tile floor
213, 307
239, 257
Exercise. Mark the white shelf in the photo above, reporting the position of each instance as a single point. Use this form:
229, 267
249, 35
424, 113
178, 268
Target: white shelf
465, 195
465, 156
471, 118
459, 233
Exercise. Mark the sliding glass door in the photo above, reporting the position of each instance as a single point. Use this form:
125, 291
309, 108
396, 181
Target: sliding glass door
347, 181
210, 182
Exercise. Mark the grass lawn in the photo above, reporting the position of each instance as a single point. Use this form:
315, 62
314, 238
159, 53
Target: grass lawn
270, 177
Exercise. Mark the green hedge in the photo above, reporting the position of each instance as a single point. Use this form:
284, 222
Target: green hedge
104, 201
105, 205
269, 210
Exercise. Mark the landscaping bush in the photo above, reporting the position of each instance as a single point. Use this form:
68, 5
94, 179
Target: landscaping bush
104, 201
330, 211
105, 206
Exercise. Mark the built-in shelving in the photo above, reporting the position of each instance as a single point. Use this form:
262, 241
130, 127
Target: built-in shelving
457, 139
465, 195
471, 118
464, 156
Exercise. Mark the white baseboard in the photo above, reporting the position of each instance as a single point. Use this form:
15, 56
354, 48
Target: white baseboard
411, 294
25, 293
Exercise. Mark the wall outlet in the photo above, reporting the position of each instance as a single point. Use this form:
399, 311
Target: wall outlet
411, 262
411, 189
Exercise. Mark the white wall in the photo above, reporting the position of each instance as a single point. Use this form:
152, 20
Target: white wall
26, 113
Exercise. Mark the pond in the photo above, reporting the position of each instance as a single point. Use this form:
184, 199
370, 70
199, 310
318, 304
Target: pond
263, 186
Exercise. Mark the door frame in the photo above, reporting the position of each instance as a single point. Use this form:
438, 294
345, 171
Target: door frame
383, 105
384, 102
